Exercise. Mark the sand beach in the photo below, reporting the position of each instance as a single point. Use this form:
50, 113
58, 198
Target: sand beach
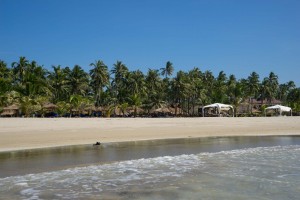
30, 133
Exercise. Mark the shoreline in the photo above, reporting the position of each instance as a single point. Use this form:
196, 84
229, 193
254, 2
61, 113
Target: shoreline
147, 142
33, 161
36, 133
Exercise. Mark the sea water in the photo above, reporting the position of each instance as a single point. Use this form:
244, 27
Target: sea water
270, 172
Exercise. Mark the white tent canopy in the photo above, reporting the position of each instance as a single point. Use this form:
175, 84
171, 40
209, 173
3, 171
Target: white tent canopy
279, 108
220, 107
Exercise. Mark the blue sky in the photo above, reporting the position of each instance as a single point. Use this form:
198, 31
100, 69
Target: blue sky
236, 36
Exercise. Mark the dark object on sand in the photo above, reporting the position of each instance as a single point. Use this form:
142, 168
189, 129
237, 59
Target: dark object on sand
96, 144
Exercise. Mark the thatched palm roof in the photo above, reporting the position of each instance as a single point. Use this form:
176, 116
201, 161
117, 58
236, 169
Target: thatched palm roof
118, 111
89, 108
163, 110
100, 108
8, 113
138, 110
11, 107
50, 106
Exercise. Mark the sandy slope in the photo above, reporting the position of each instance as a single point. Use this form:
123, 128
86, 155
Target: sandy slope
18, 133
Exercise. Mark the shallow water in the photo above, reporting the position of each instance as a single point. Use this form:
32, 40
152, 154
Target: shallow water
269, 172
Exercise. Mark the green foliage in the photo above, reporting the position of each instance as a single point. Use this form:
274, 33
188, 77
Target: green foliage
63, 108
168, 70
293, 99
99, 79
30, 86
27, 105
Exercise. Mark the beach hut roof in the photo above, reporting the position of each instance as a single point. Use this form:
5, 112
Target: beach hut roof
92, 108
118, 111
49, 105
138, 110
8, 112
12, 107
161, 110
100, 109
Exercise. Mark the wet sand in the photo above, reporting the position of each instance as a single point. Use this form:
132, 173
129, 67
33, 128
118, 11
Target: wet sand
30, 133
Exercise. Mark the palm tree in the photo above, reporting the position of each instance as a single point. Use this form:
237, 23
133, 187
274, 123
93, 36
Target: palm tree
99, 79
235, 91
63, 108
26, 105
58, 84
5, 78
75, 102
196, 89
166, 84
78, 81
168, 70
40, 101
9, 98
273, 81
153, 80
181, 89
154, 96
119, 70
293, 99
208, 82
35, 82
135, 83
252, 87
4, 71
231, 86
119, 82
220, 88
123, 107
136, 102
270, 87
19, 69
284, 90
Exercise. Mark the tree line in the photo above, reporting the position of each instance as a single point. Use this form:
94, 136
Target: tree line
30, 85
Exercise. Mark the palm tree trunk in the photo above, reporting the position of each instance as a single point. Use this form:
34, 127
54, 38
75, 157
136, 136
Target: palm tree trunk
193, 105
251, 105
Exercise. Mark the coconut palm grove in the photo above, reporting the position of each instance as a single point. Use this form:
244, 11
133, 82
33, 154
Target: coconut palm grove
117, 91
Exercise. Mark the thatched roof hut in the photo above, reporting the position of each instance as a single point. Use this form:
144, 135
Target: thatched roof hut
138, 110
118, 112
11, 110
12, 107
50, 106
89, 108
8, 113
161, 110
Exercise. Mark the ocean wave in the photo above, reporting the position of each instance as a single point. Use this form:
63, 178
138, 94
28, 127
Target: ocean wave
261, 164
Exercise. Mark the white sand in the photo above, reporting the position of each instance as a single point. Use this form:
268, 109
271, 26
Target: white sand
20, 133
